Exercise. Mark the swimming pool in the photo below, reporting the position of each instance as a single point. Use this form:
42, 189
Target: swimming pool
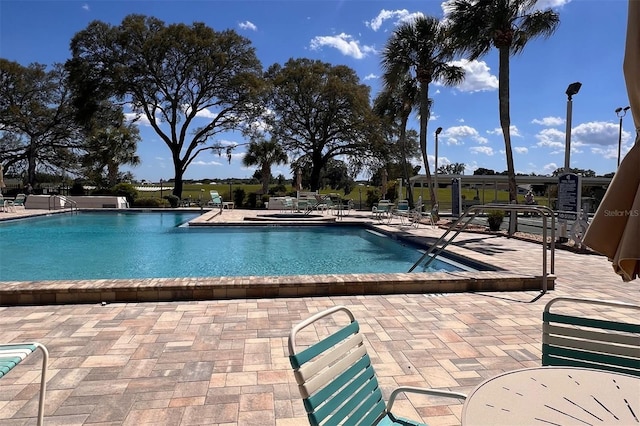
96, 245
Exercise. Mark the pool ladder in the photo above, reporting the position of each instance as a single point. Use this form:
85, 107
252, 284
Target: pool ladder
63, 202
467, 217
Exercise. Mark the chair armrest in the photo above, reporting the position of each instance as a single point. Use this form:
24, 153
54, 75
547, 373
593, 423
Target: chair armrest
423, 391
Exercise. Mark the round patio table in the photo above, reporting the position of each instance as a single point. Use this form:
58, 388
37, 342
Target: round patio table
554, 396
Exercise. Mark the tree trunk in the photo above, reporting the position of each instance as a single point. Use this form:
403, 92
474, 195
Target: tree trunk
266, 175
316, 167
178, 184
505, 124
424, 118
403, 151
31, 165
112, 173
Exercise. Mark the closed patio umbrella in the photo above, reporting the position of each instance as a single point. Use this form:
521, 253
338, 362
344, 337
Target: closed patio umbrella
385, 177
2, 185
615, 228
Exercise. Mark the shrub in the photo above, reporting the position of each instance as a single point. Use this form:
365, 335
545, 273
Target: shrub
173, 200
495, 218
147, 202
253, 200
76, 189
238, 197
125, 190
372, 197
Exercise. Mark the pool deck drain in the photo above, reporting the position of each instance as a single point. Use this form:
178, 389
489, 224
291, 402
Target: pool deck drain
507, 256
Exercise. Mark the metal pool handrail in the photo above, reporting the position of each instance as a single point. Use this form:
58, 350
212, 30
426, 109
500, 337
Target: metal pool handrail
473, 211
73, 205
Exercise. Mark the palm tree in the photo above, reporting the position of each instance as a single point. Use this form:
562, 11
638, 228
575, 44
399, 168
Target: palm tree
264, 154
109, 148
419, 50
396, 103
476, 26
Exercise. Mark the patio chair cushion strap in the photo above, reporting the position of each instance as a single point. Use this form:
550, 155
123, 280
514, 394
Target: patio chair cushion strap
311, 352
12, 355
590, 322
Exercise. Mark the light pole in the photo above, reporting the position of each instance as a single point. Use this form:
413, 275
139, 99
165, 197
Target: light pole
573, 89
360, 191
435, 175
620, 112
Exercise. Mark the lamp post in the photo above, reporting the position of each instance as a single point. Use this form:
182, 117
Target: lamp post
620, 112
435, 175
573, 89
161, 181
360, 191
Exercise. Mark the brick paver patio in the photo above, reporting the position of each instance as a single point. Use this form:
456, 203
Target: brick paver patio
224, 362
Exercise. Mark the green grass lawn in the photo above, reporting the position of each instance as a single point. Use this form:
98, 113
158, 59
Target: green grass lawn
198, 192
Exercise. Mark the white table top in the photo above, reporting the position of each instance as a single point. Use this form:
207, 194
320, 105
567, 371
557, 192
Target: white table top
555, 396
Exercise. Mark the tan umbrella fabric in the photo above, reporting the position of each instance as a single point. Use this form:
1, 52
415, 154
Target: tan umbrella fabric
631, 65
615, 229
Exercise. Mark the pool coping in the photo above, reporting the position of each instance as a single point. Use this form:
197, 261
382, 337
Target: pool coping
501, 279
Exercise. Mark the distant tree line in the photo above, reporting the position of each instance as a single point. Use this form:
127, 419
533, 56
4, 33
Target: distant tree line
192, 83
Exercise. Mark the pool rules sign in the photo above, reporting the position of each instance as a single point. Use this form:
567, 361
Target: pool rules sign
569, 194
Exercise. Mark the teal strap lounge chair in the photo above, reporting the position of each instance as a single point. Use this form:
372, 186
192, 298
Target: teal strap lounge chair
12, 354
607, 339
6, 205
287, 204
20, 200
382, 210
336, 379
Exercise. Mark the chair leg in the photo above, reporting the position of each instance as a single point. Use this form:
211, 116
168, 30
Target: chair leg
43, 382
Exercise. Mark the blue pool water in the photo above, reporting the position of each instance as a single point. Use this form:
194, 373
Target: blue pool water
149, 245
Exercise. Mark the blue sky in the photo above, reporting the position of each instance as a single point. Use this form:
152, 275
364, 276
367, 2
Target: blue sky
587, 47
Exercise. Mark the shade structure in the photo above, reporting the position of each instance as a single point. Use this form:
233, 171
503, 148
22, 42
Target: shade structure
615, 228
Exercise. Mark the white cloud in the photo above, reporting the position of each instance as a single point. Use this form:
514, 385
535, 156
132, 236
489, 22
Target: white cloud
370, 77
550, 168
478, 77
344, 43
521, 149
85, 7
551, 4
551, 138
549, 121
597, 133
486, 150
248, 25
139, 119
397, 15
207, 163
513, 131
457, 134
205, 113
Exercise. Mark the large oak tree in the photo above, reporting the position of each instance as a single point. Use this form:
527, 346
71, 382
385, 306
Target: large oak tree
37, 121
321, 112
190, 82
